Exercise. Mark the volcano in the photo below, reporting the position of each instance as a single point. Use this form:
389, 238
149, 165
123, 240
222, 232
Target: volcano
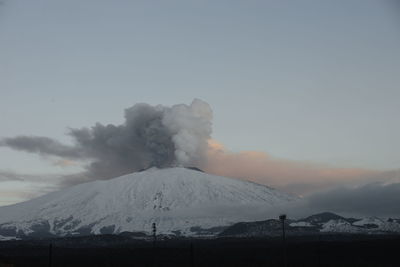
179, 200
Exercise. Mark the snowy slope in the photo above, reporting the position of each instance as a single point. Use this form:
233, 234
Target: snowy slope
332, 223
300, 224
339, 226
370, 221
321, 223
177, 199
7, 238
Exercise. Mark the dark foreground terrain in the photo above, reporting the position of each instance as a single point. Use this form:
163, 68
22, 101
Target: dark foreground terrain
326, 250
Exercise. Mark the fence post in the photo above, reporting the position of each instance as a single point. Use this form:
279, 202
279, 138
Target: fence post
50, 254
283, 218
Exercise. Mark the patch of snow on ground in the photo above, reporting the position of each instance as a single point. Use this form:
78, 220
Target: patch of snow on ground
369, 221
339, 226
300, 224
7, 238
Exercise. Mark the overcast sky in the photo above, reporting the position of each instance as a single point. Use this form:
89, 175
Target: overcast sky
308, 81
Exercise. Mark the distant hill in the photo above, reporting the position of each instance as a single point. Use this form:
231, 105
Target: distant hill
326, 222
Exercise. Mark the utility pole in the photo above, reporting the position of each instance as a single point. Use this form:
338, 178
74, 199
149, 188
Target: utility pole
191, 254
319, 250
155, 254
282, 218
154, 227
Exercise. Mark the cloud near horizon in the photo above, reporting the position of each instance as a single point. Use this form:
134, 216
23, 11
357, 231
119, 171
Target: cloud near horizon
293, 176
374, 199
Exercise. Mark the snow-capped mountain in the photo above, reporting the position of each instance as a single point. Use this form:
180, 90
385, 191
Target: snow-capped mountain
178, 200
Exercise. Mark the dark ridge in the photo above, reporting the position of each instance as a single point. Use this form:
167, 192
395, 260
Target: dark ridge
194, 168
144, 169
190, 168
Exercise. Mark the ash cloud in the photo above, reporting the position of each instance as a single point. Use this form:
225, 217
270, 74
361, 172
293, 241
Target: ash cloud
10, 176
151, 136
41, 145
180, 135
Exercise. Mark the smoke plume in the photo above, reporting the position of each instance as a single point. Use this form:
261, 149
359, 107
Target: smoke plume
180, 135
151, 136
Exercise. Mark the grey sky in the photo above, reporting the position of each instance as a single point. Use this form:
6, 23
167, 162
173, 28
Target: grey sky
302, 80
